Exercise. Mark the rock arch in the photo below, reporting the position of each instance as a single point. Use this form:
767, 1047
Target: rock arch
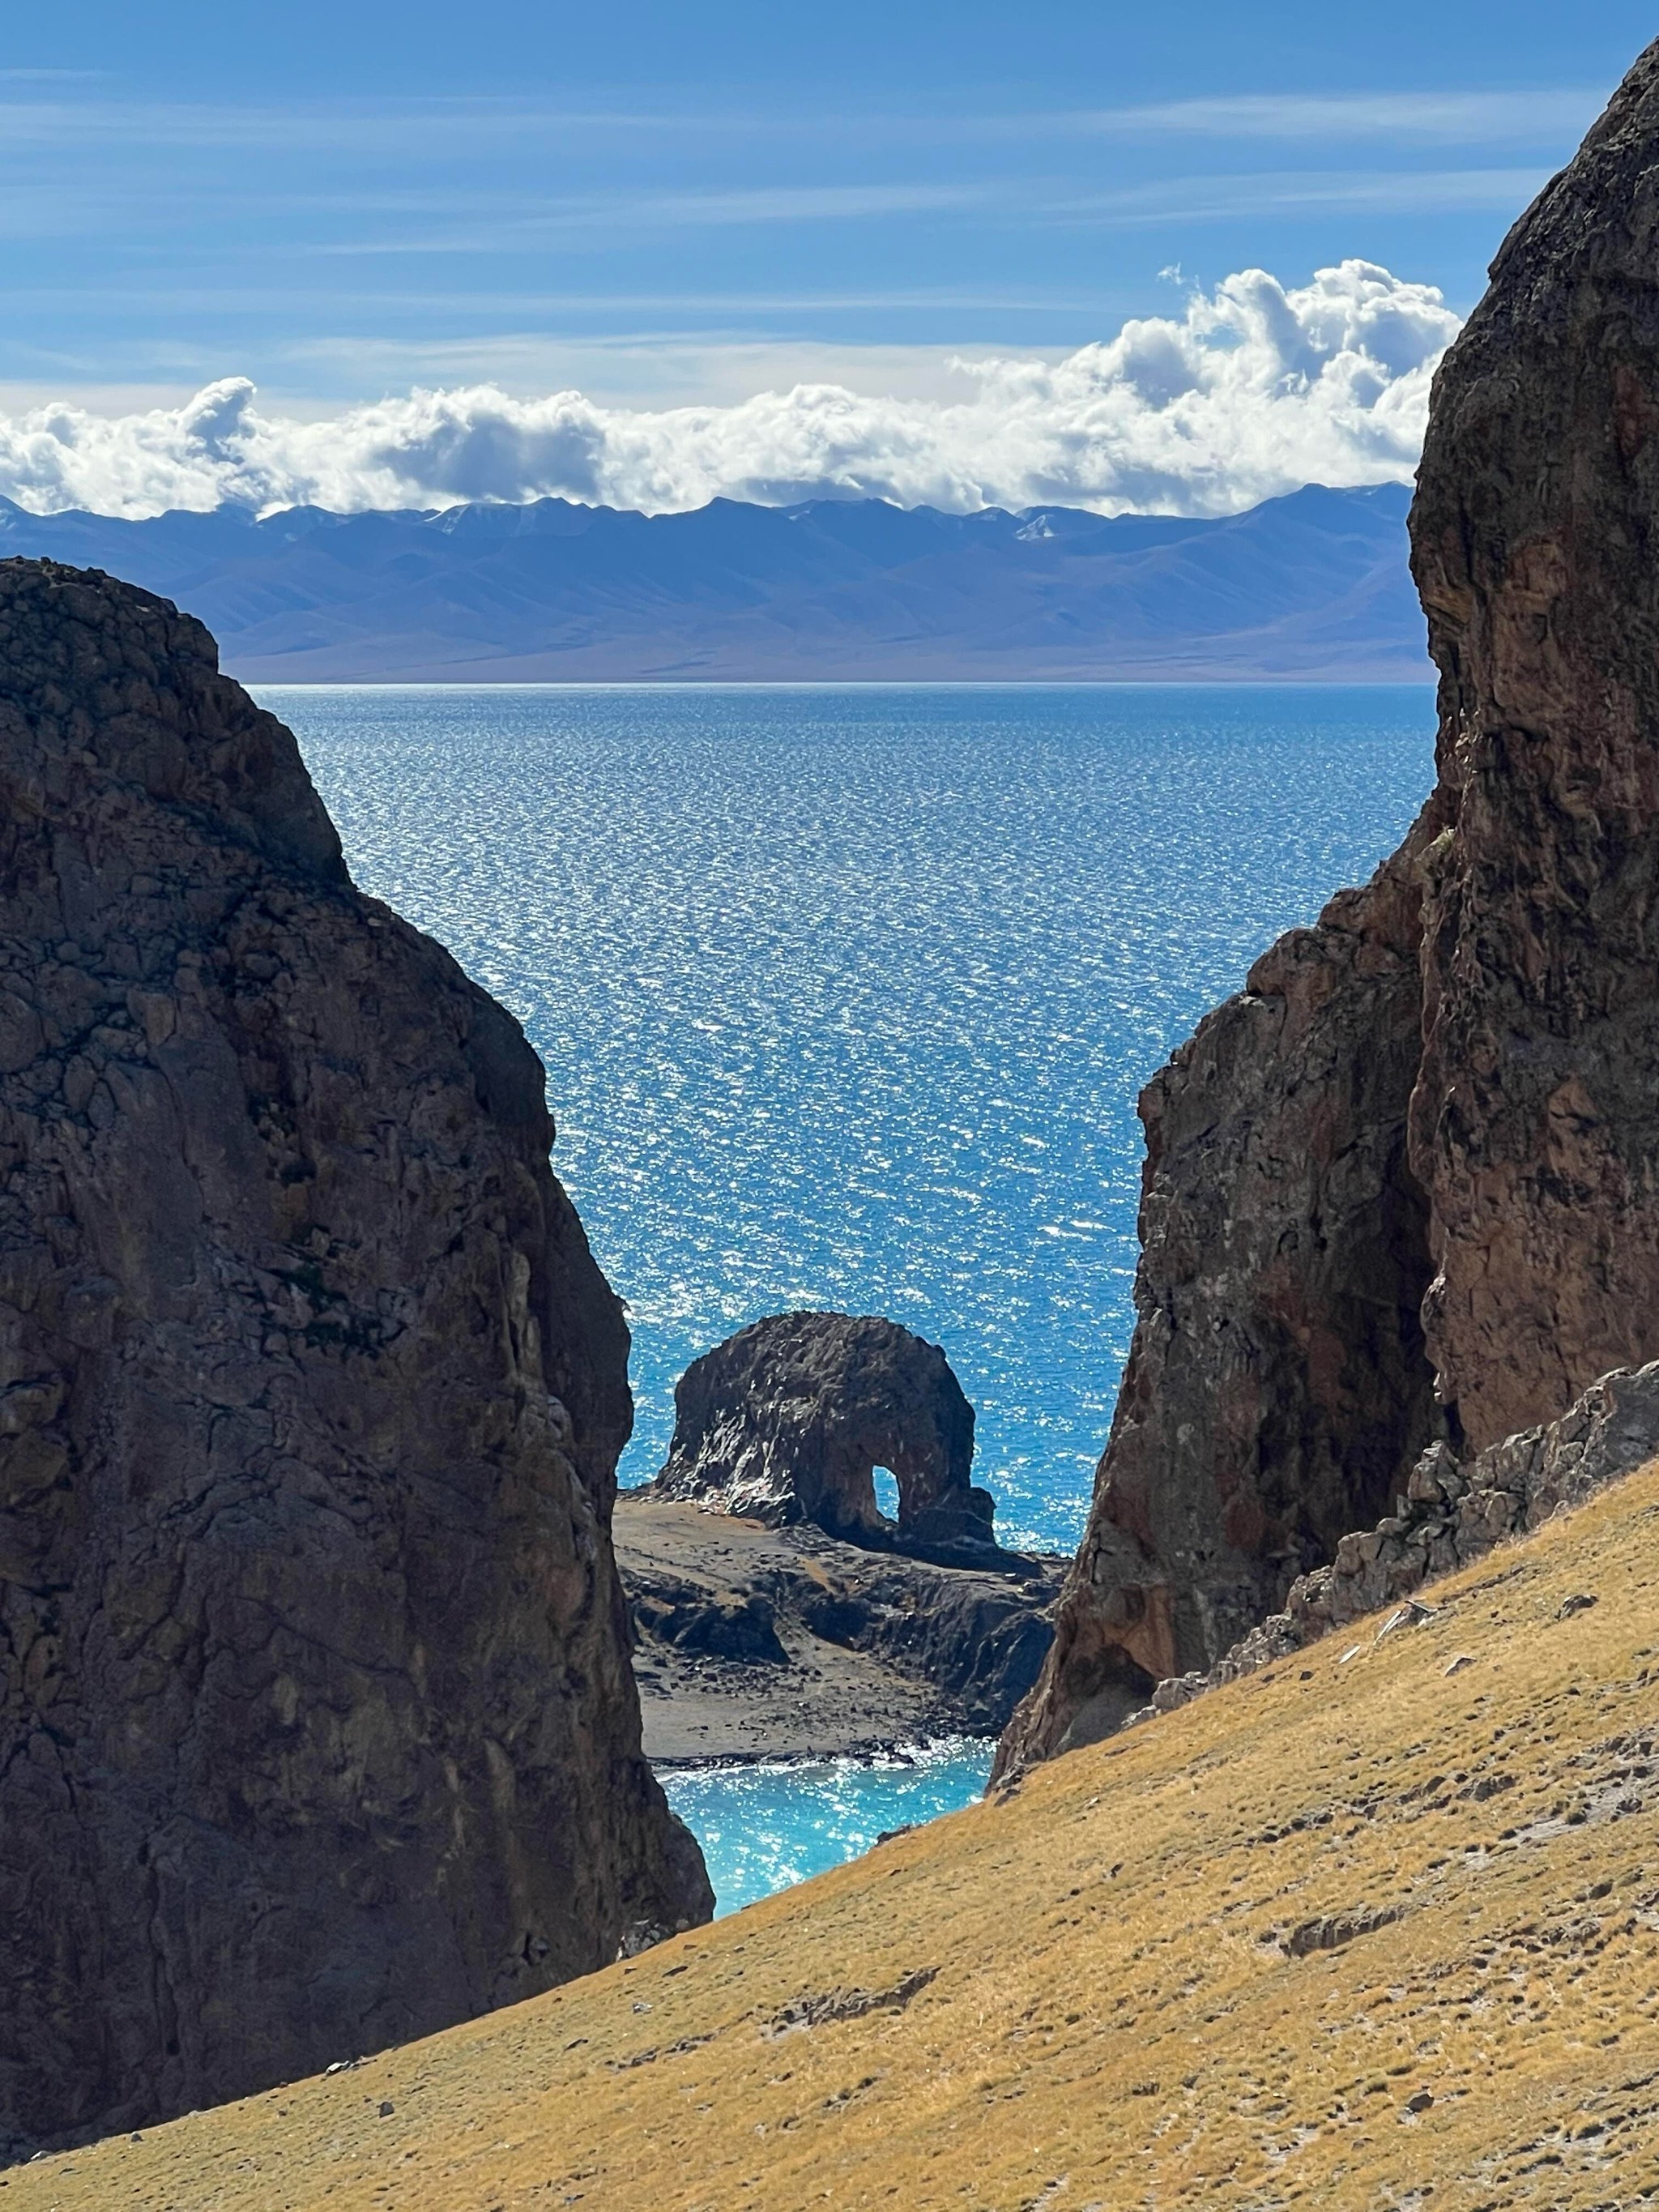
787, 1420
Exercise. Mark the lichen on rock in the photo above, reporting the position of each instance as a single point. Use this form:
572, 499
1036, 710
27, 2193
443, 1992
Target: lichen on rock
317, 1730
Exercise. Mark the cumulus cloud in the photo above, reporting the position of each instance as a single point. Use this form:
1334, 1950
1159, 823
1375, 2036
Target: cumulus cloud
1253, 390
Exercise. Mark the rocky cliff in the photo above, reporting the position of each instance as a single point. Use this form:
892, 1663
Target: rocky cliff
1536, 533
1452, 1514
1408, 1181
1276, 1386
317, 1730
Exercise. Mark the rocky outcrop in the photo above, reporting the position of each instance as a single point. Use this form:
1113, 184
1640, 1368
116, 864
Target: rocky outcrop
317, 1730
1316, 1295
787, 1420
1536, 1122
1450, 1516
758, 1643
1276, 1391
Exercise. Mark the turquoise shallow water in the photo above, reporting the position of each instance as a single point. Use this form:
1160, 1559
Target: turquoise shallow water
762, 1827
846, 994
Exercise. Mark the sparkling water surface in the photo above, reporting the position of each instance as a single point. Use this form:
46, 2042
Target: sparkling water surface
764, 1826
846, 993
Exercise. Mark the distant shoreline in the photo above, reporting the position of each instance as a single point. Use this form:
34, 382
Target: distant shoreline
1188, 680
1314, 586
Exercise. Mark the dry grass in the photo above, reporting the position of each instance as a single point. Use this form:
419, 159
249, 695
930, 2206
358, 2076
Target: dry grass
1115, 2020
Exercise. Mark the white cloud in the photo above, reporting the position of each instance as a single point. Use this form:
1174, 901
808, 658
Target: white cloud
1255, 389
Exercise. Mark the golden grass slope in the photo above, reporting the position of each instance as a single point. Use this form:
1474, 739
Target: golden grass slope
1116, 2015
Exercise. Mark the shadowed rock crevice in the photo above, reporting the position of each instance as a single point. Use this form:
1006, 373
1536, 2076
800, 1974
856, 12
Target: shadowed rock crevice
317, 1728
786, 1421
1451, 1515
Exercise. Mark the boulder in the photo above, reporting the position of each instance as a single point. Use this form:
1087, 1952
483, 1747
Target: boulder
730, 1625
787, 1420
317, 1727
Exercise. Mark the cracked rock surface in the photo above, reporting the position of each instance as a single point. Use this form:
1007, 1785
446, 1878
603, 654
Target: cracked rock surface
1450, 1516
1535, 1118
317, 1730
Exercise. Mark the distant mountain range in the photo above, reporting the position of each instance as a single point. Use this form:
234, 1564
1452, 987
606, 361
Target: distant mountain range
1311, 586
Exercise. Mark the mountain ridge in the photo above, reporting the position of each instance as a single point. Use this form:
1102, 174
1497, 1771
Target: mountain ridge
1310, 587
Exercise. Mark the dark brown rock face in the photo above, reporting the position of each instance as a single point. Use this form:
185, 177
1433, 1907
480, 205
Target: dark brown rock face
1450, 1514
1276, 1388
317, 1729
1536, 535
787, 1420
1444, 1099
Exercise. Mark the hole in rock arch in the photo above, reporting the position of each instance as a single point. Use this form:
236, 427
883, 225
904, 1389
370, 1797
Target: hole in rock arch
887, 1492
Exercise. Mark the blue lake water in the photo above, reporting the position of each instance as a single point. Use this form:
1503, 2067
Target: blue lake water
846, 993
764, 1826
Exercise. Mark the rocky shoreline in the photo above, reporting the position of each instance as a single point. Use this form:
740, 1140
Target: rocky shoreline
766, 1643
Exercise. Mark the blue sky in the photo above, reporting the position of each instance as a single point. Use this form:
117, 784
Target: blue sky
650, 253
664, 203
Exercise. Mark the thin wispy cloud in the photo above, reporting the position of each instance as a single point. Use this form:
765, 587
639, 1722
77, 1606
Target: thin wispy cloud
1209, 198
516, 226
1441, 117
378, 125
282, 301
1255, 388
363, 127
507, 222
335, 248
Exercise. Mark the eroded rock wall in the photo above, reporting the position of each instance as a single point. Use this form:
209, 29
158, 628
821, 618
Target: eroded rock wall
1535, 537
1276, 1390
1451, 1515
317, 1730
1493, 996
